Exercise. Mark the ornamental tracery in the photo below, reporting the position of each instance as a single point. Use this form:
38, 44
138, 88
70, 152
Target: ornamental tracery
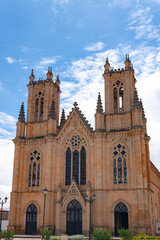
119, 164
34, 169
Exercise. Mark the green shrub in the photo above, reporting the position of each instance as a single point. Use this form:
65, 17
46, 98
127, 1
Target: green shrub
56, 238
141, 234
125, 234
45, 234
101, 235
76, 237
146, 237
7, 235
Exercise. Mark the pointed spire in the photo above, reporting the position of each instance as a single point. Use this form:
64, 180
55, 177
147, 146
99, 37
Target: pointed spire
107, 65
58, 78
136, 102
52, 112
57, 81
143, 113
32, 77
21, 117
63, 118
99, 108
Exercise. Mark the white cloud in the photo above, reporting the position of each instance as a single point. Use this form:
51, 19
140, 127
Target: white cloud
61, 2
24, 49
6, 163
25, 67
48, 61
95, 47
10, 60
7, 133
141, 23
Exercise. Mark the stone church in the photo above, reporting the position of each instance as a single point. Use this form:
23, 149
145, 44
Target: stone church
105, 173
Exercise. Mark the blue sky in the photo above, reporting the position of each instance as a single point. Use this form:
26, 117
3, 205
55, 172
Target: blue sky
75, 37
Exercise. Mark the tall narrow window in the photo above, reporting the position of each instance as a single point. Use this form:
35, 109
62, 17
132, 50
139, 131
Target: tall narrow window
115, 171
30, 172
68, 166
119, 164
83, 166
41, 107
36, 109
125, 170
121, 99
119, 170
34, 174
115, 99
38, 174
76, 166
34, 169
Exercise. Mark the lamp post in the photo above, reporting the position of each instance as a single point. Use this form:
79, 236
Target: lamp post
45, 190
2, 203
90, 200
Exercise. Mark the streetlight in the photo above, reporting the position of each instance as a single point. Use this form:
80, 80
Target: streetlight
2, 203
45, 190
90, 200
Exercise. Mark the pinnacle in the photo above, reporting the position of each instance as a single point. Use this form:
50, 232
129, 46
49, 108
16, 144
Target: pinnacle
52, 112
136, 101
63, 118
21, 117
58, 78
143, 113
127, 57
99, 108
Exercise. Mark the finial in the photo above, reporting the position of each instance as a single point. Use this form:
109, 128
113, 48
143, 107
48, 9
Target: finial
99, 108
32, 77
50, 70
49, 73
32, 72
52, 113
63, 118
75, 104
57, 80
21, 117
107, 65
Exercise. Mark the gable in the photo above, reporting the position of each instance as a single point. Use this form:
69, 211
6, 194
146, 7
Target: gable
76, 122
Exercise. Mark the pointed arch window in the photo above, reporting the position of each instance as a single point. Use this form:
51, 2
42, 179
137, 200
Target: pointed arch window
34, 169
83, 166
68, 166
41, 107
115, 99
119, 164
76, 166
36, 109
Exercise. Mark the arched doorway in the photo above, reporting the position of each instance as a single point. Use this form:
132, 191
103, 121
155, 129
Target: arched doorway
74, 218
121, 217
31, 220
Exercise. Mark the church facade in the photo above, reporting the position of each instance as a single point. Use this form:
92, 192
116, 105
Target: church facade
107, 169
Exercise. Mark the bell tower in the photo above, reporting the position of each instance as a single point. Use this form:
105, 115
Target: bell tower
43, 99
123, 108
